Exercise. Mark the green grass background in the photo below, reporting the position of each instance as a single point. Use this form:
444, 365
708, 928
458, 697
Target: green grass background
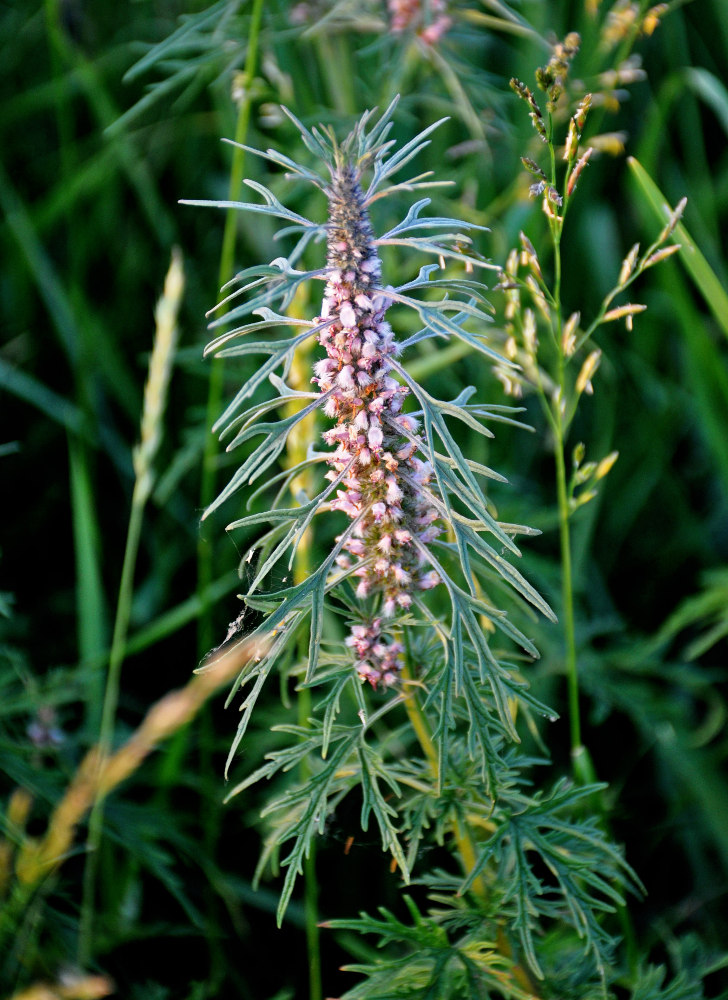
96, 149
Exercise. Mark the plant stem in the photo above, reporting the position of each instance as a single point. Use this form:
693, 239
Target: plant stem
560, 425
334, 60
461, 832
155, 398
310, 883
567, 599
108, 717
297, 447
421, 727
214, 397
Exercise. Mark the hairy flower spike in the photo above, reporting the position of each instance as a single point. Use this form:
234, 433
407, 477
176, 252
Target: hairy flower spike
375, 444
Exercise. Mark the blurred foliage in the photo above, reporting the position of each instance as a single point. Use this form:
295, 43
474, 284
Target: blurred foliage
112, 113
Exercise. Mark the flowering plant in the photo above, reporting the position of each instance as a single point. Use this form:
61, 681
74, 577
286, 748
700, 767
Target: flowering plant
410, 521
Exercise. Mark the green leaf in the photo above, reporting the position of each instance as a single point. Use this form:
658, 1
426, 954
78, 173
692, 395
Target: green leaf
705, 279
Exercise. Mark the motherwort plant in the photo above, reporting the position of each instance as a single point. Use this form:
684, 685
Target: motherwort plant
417, 676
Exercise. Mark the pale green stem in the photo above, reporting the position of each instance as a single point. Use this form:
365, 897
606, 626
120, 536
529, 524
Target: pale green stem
108, 717
335, 64
298, 442
567, 598
462, 834
310, 883
567, 580
560, 432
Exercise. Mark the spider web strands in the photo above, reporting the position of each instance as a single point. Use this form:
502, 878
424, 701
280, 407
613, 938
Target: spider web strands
276, 434
295, 519
283, 620
591, 874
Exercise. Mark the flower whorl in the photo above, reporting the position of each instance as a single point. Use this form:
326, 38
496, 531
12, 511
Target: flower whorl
375, 443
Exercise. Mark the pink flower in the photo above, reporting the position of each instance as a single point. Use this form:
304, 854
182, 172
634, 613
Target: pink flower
347, 315
376, 437
345, 378
374, 442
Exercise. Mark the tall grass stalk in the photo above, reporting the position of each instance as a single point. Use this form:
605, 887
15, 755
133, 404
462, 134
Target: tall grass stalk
559, 385
155, 400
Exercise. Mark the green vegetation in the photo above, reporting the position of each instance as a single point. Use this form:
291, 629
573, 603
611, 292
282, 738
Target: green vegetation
591, 857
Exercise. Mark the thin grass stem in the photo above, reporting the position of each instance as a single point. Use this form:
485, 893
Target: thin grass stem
567, 600
108, 718
155, 397
560, 426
